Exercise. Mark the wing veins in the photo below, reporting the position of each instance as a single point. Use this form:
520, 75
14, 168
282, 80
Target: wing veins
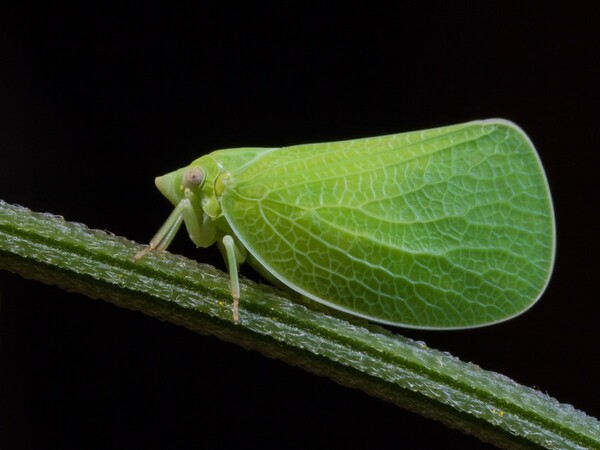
368, 156
377, 266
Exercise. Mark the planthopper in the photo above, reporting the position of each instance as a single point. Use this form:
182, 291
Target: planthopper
450, 227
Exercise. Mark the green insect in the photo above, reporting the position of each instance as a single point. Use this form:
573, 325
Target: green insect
450, 227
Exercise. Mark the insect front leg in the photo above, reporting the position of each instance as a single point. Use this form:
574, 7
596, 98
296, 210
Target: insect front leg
234, 256
164, 236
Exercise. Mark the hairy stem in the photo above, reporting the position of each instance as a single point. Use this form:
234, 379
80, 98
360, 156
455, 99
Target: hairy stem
352, 352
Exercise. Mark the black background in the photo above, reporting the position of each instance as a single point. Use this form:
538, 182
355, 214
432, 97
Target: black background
97, 100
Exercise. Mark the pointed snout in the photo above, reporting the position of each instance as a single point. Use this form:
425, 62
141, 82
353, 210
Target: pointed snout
170, 185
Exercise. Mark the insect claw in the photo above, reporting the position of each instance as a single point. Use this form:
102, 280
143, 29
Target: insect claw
142, 252
236, 310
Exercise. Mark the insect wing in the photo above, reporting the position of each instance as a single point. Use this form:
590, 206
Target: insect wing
444, 228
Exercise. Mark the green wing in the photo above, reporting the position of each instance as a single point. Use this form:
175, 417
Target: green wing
445, 228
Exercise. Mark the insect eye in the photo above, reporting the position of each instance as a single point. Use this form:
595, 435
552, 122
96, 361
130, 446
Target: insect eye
193, 178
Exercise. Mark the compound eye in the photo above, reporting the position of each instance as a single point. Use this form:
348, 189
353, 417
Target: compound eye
193, 178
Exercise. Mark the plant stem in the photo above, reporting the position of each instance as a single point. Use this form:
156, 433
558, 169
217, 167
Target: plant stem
352, 352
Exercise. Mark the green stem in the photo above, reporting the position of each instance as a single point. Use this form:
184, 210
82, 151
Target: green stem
352, 352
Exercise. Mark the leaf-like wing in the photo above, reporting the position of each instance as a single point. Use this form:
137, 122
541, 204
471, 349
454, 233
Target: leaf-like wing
445, 228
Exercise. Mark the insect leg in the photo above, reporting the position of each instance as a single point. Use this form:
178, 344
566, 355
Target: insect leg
167, 231
234, 257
